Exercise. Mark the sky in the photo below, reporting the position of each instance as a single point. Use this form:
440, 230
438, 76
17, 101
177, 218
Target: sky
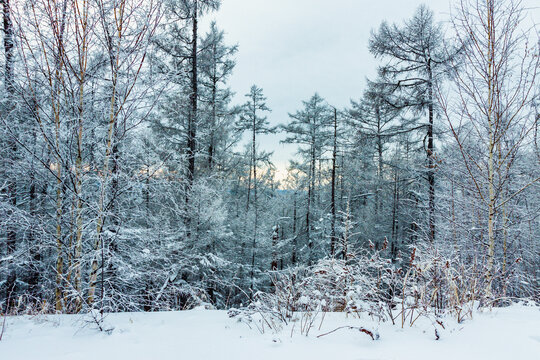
294, 48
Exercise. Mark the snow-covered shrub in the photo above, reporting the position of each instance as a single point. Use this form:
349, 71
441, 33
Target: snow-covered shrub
436, 283
363, 284
427, 284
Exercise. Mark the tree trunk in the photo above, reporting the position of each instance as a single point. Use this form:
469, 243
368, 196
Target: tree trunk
255, 223
35, 245
114, 50
310, 197
78, 187
394, 215
491, 150
59, 182
192, 123
333, 191
275, 239
295, 236
11, 187
379, 167
213, 119
430, 157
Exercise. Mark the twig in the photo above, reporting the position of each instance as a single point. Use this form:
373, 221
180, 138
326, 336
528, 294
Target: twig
361, 329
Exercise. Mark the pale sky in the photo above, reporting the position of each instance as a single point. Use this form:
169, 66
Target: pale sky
294, 48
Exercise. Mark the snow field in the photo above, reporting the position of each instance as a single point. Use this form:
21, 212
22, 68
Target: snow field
504, 333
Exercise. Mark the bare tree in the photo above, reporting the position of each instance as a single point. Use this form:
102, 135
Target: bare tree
490, 114
127, 43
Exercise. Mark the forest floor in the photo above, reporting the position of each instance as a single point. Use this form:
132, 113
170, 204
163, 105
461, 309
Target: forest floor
503, 333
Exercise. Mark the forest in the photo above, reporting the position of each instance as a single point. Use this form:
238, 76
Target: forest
131, 181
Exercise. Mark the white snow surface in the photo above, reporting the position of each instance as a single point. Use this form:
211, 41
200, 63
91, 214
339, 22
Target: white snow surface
503, 333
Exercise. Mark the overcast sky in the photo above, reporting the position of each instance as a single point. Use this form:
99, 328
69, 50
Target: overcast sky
294, 48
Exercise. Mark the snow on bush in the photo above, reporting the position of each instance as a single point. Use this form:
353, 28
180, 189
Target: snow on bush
429, 284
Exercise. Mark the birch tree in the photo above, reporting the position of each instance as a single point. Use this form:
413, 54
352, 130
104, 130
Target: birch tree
490, 115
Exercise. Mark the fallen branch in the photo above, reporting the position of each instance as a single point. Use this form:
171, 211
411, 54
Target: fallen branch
361, 329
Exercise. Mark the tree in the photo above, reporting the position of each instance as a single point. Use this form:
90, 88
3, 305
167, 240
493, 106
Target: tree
490, 115
380, 125
376, 119
251, 120
217, 64
333, 238
310, 128
416, 61
9, 189
183, 46
127, 44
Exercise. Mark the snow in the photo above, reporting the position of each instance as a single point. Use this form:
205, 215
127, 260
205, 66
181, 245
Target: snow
504, 333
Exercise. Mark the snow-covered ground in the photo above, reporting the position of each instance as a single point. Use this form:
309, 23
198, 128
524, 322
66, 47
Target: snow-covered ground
508, 333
